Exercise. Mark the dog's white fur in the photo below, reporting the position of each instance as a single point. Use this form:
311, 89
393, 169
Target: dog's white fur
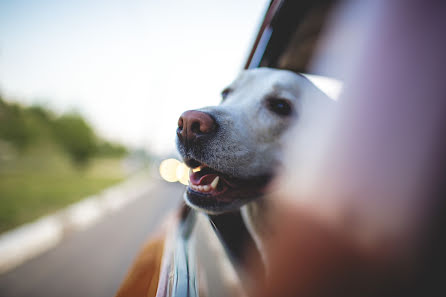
250, 136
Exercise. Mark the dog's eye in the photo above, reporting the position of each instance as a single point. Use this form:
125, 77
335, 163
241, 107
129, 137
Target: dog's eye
279, 106
225, 93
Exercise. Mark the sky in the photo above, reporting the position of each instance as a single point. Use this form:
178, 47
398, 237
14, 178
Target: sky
131, 67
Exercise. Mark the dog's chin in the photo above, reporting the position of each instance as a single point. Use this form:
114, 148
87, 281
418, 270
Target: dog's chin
215, 192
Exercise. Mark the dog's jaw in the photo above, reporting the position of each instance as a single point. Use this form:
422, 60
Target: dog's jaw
214, 192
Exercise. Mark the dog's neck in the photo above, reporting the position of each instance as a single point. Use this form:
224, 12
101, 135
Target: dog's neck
254, 217
244, 230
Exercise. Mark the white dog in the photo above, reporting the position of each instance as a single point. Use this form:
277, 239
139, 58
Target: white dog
235, 147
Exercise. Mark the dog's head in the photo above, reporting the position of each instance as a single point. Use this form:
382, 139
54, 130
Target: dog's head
235, 147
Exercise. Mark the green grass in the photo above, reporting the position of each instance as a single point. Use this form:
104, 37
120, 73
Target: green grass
44, 180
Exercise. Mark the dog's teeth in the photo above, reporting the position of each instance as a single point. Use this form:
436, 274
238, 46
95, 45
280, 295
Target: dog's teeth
215, 183
205, 188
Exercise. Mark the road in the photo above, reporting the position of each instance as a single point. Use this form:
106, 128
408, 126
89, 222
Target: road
93, 262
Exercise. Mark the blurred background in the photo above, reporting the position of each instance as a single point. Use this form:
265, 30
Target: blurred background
90, 94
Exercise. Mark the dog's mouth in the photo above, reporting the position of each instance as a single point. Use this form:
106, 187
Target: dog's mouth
218, 192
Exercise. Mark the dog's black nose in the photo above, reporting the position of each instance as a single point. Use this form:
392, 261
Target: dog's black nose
192, 124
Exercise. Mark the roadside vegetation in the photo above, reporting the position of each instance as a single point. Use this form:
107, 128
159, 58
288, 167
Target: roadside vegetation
48, 161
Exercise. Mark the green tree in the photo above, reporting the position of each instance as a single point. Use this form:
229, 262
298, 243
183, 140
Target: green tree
76, 137
110, 149
13, 126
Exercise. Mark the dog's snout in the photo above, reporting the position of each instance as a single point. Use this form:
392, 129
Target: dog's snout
192, 124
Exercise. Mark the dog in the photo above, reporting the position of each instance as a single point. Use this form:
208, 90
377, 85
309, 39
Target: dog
235, 148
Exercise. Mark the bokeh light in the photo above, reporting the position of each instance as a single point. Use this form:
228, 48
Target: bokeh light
183, 174
172, 170
168, 170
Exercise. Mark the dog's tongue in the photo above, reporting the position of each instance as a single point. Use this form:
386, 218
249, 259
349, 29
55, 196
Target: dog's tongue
199, 179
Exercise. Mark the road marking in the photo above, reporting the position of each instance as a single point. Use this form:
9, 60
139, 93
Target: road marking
30, 240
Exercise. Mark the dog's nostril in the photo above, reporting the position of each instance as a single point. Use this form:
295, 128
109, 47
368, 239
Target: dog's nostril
180, 123
195, 127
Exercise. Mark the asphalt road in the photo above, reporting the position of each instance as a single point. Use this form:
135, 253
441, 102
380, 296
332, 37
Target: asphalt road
93, 262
